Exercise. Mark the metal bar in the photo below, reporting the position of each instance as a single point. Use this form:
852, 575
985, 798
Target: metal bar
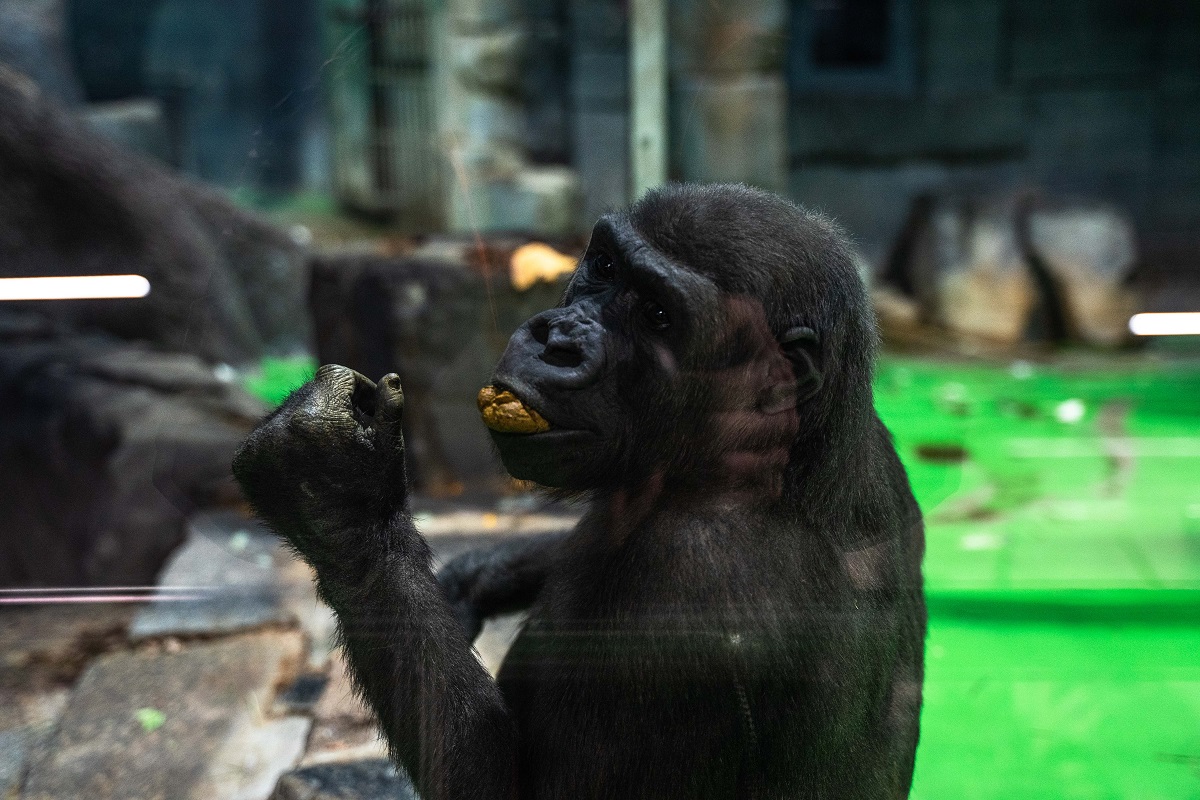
648, 94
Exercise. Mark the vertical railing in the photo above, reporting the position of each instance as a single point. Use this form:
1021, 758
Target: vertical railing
384, 130
648, 94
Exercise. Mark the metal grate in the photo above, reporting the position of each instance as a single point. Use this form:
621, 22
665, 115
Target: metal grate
384, 129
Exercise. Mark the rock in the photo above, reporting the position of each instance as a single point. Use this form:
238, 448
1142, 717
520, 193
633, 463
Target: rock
254, 755
1016, 267
14, 750
232, 574
27, 721
961, 259
136, 124
314, 617
1090, 253
46, 645
228, 568
107, 449
344, 729
373, 779
224, 284
186, 724
302, 695
43, 648
981, 280
496, 638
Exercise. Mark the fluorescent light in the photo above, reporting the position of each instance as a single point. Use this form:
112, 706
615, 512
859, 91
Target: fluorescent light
76, 287
1183, 323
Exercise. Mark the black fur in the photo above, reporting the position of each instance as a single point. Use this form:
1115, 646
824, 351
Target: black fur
739, 613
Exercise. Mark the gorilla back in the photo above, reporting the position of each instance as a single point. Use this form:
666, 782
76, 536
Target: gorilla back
740, 611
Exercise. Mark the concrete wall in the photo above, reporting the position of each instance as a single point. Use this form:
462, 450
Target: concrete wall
238, 81
1099, 98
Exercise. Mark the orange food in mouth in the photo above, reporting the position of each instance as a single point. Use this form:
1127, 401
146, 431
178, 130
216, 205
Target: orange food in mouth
504, 412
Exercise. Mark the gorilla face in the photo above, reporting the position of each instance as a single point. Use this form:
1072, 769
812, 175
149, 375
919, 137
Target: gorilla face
606, 364
650, 366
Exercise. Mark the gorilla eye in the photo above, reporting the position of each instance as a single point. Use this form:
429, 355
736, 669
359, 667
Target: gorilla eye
656, 315
603, 267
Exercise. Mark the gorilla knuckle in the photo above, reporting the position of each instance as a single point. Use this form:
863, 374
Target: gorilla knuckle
334, 375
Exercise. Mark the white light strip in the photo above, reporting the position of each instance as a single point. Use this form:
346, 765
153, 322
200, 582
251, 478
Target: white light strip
1183, 323
78, 287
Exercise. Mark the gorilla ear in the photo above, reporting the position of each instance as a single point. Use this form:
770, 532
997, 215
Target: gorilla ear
802, 347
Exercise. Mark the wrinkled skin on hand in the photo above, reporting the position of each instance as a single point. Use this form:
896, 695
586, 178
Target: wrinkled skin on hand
329, 458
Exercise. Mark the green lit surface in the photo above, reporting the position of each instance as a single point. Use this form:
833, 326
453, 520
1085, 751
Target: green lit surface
277, 377
1041, 710
1063, 576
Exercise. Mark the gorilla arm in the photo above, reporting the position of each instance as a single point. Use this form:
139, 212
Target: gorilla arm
326, 472
507, 577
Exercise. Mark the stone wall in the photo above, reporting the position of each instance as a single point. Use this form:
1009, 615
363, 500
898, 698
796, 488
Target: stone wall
1091, 98
238, 80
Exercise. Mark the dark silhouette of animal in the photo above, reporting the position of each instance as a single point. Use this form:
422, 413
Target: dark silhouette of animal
739, 614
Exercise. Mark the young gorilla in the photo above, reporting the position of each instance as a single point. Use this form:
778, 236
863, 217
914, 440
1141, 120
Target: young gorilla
739, 614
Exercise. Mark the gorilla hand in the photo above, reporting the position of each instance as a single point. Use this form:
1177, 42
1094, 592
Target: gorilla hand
328, 460
326, 471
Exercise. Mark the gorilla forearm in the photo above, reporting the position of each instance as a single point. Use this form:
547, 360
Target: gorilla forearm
325, 471
498, 580
442, 714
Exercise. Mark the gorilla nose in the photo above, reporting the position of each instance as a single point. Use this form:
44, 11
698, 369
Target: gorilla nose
566, 346
560, 348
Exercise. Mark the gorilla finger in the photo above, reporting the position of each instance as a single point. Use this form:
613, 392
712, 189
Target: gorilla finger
338, 390
334, 378
389, 405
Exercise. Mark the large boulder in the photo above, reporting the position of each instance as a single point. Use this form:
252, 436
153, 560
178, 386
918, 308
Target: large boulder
105, 450
225, 285
1089, 252
968, 271
1010, 268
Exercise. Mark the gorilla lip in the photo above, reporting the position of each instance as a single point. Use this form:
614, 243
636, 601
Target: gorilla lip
504, 412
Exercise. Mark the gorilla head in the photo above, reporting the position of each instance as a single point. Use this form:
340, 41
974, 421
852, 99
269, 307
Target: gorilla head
708, 332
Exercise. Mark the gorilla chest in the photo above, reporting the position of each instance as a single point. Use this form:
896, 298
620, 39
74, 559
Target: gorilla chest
664, 648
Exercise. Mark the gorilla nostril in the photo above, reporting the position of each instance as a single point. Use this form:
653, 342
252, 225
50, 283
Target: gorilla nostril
539, 329
557, 355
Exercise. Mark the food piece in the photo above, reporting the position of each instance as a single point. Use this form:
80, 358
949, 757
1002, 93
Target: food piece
538, 262
504, 412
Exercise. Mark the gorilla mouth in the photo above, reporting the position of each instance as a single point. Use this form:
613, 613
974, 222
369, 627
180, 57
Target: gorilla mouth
504, 412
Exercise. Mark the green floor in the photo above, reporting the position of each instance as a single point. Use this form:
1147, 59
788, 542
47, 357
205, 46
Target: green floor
1063, 574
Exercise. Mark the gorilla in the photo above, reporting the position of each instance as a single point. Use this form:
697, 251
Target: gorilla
738, 614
